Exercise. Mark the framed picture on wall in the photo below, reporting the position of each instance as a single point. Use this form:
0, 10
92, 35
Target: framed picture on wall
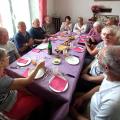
106, 0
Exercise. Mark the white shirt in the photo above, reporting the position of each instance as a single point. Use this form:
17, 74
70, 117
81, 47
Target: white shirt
77, 29
66, 28
105, 104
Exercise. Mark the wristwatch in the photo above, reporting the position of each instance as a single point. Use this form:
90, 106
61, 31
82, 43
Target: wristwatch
26, 44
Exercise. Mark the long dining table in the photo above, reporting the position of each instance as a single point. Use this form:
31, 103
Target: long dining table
40, 87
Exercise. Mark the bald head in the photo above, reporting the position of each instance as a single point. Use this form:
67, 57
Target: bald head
36, 23
3, 35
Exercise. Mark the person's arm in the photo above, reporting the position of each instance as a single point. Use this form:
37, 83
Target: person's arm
22, 82
19, 43
76, 29
62, 27
92, 52
85, 71
70, 27
86, 97
96, 79
84, 28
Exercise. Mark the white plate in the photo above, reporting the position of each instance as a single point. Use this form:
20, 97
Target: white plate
56, 61
72, 60
40, 73
42, 46
24, 64
65, 88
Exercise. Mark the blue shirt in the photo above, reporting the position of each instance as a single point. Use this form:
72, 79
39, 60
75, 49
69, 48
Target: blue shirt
20, 40
37, 33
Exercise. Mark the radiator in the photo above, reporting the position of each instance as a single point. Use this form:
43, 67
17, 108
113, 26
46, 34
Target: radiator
56, 22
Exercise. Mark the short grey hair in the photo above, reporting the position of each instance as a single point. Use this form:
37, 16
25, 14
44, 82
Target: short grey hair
97, 23
115, 30
2, 53
112, 58
2, 30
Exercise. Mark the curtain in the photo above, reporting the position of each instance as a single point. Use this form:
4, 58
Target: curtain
42, 10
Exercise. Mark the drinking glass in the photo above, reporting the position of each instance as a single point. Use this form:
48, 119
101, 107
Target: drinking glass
55, 69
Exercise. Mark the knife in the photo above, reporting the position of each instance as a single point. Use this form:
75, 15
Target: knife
67, 74
70, 75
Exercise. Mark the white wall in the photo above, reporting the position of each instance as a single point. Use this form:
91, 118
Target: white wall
50, 7
76, 8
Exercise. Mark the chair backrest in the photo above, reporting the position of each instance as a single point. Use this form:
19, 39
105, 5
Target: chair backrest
4, 117
89, 27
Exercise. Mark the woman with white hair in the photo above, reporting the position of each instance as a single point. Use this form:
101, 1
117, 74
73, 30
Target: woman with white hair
95, 32
80, 27
110, 35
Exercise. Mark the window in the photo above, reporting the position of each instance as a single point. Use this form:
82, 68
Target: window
13, 11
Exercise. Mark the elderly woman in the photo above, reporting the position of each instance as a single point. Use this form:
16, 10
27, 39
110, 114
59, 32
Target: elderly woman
67, 25
48, 26
109, 36
80, 27
95, 32
14, 101
92, 74
8, 45
105, 103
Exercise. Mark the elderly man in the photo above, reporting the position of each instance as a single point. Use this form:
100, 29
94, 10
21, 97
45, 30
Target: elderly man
48, 26
105, 104
8, 45
92, 74
23, 40
37, 33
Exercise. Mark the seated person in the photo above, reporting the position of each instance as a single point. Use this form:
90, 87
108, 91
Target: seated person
8, 45
111, 21
92, 74
48, 26
80, 27
67, 25
105, 103
109, 35
15, 103
95, 33
22, 39
36, 32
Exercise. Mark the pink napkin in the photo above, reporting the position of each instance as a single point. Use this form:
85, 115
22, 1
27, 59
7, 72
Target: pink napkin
58, 83
83, 36
82, 40
78, 49
53, 38
25, 73
22, 60
36, 50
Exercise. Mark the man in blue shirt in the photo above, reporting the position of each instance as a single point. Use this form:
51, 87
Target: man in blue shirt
23, 40
37, 33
